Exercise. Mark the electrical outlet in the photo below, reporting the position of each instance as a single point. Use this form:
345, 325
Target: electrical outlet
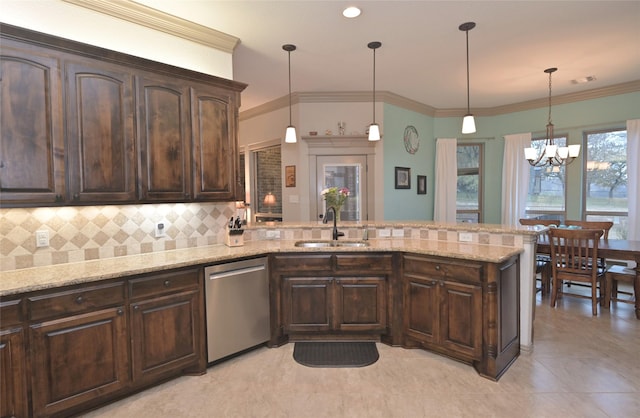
465, 237
274, 234
42, 238
161, 229
384, 233
398, 233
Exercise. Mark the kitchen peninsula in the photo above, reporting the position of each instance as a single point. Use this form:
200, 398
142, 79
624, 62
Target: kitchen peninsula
478, 285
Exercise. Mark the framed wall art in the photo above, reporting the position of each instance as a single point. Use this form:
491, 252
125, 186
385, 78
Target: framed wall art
422, 184
403, 178
290, 176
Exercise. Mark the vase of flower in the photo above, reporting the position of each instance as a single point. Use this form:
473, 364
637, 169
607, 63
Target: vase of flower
335, 197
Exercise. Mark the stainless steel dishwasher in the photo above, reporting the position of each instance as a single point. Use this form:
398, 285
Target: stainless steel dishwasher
237, 303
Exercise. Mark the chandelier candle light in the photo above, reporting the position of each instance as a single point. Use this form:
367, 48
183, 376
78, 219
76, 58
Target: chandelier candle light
551, 155
335, 197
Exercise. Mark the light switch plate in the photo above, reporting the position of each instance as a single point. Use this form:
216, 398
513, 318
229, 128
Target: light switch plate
161, 229
42, 238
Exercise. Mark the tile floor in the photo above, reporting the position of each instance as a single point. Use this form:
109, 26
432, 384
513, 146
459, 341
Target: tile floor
581, 366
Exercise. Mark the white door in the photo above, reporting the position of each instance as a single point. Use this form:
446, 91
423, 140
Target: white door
348, 171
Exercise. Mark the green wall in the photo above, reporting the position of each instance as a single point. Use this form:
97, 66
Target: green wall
572, 119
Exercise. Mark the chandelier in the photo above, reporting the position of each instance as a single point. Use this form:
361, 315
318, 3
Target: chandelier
551, 155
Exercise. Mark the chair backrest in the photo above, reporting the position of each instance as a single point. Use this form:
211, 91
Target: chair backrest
605, 226
545, 222
573, 251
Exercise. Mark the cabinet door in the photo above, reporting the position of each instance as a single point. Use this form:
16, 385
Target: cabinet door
215, 155
100, 135
13, 372
421, 309
163, 140
461, 319
306, 304
165, 336
78, 360
31, 149
360, 304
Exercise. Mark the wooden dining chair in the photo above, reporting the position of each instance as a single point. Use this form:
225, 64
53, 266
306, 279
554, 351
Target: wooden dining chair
605, 226
615, 274
572, 255
543, 261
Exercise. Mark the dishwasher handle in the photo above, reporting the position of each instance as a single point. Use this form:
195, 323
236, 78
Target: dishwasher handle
237, 272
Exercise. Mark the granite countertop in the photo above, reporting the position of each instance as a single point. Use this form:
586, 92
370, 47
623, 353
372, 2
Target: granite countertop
39, 278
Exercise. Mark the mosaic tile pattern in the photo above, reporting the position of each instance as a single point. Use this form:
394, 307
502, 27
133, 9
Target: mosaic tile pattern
94, 232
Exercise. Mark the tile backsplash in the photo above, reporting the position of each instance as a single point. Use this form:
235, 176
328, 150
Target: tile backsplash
82, 233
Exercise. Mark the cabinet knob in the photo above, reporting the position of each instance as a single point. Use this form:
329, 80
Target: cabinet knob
441, 283
120, 312
136, 307
167, 283
76, 196
438, 267
79, 300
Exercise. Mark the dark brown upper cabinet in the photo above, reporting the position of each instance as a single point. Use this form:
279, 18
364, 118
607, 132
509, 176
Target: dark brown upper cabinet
164, 140
83, 125
32, 142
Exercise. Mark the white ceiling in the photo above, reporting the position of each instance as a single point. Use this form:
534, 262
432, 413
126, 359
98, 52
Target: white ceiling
423, 52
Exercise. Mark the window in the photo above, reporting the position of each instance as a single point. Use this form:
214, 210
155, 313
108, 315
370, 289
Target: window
268, 183
469, 191
547, 192
605, 180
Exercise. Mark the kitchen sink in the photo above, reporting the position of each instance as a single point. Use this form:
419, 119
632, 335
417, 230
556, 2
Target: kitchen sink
322, 244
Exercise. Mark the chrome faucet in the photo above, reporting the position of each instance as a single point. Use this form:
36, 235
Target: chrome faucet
336, 234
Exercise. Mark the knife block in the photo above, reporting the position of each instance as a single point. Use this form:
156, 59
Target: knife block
235, 238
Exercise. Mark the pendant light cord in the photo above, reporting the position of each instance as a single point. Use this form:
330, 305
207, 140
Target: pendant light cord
374, 85
549, 120
468, 105
289, 87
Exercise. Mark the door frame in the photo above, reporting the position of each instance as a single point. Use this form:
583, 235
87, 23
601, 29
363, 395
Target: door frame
341, 147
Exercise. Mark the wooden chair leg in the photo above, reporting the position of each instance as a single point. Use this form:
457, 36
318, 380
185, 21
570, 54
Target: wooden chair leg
545, 279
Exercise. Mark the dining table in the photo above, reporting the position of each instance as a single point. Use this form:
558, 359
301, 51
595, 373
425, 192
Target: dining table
615, 249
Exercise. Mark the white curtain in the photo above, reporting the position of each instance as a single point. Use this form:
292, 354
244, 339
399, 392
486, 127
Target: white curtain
633, 178
515, 178
446, 180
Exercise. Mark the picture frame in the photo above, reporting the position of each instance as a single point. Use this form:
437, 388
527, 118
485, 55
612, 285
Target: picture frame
422, 184
290, 176
403, 178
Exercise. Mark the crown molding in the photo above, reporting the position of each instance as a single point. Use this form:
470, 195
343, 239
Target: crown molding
154, 19
408, 104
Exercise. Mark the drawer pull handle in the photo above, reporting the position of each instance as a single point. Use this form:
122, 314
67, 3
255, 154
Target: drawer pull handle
79, 300
167, 283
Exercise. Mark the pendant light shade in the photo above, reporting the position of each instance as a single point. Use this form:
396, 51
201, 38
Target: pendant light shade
551, 155
374, 128
468, 123
290, 136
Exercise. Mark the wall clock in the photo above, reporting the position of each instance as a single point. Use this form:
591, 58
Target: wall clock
411, 140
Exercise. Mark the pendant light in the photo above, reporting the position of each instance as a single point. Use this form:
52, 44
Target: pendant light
290, 136
468, 123
374, 128
551, 155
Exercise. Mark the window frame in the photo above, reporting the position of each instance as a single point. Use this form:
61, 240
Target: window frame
584, 212
471, 171
551, 214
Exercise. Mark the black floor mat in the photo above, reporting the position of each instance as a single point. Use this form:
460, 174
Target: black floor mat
335, 354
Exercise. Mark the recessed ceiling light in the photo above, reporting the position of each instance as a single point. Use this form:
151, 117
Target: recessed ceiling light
583, 80
351, 12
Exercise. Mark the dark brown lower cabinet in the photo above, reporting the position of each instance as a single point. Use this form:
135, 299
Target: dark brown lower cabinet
164, 335
13, 373
463, 309
340, 304
79, 359
90, 344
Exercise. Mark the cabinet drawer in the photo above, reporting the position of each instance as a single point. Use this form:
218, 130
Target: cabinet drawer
11, 312
160, 283
443, 268
364, 262
75, 300
299, 264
